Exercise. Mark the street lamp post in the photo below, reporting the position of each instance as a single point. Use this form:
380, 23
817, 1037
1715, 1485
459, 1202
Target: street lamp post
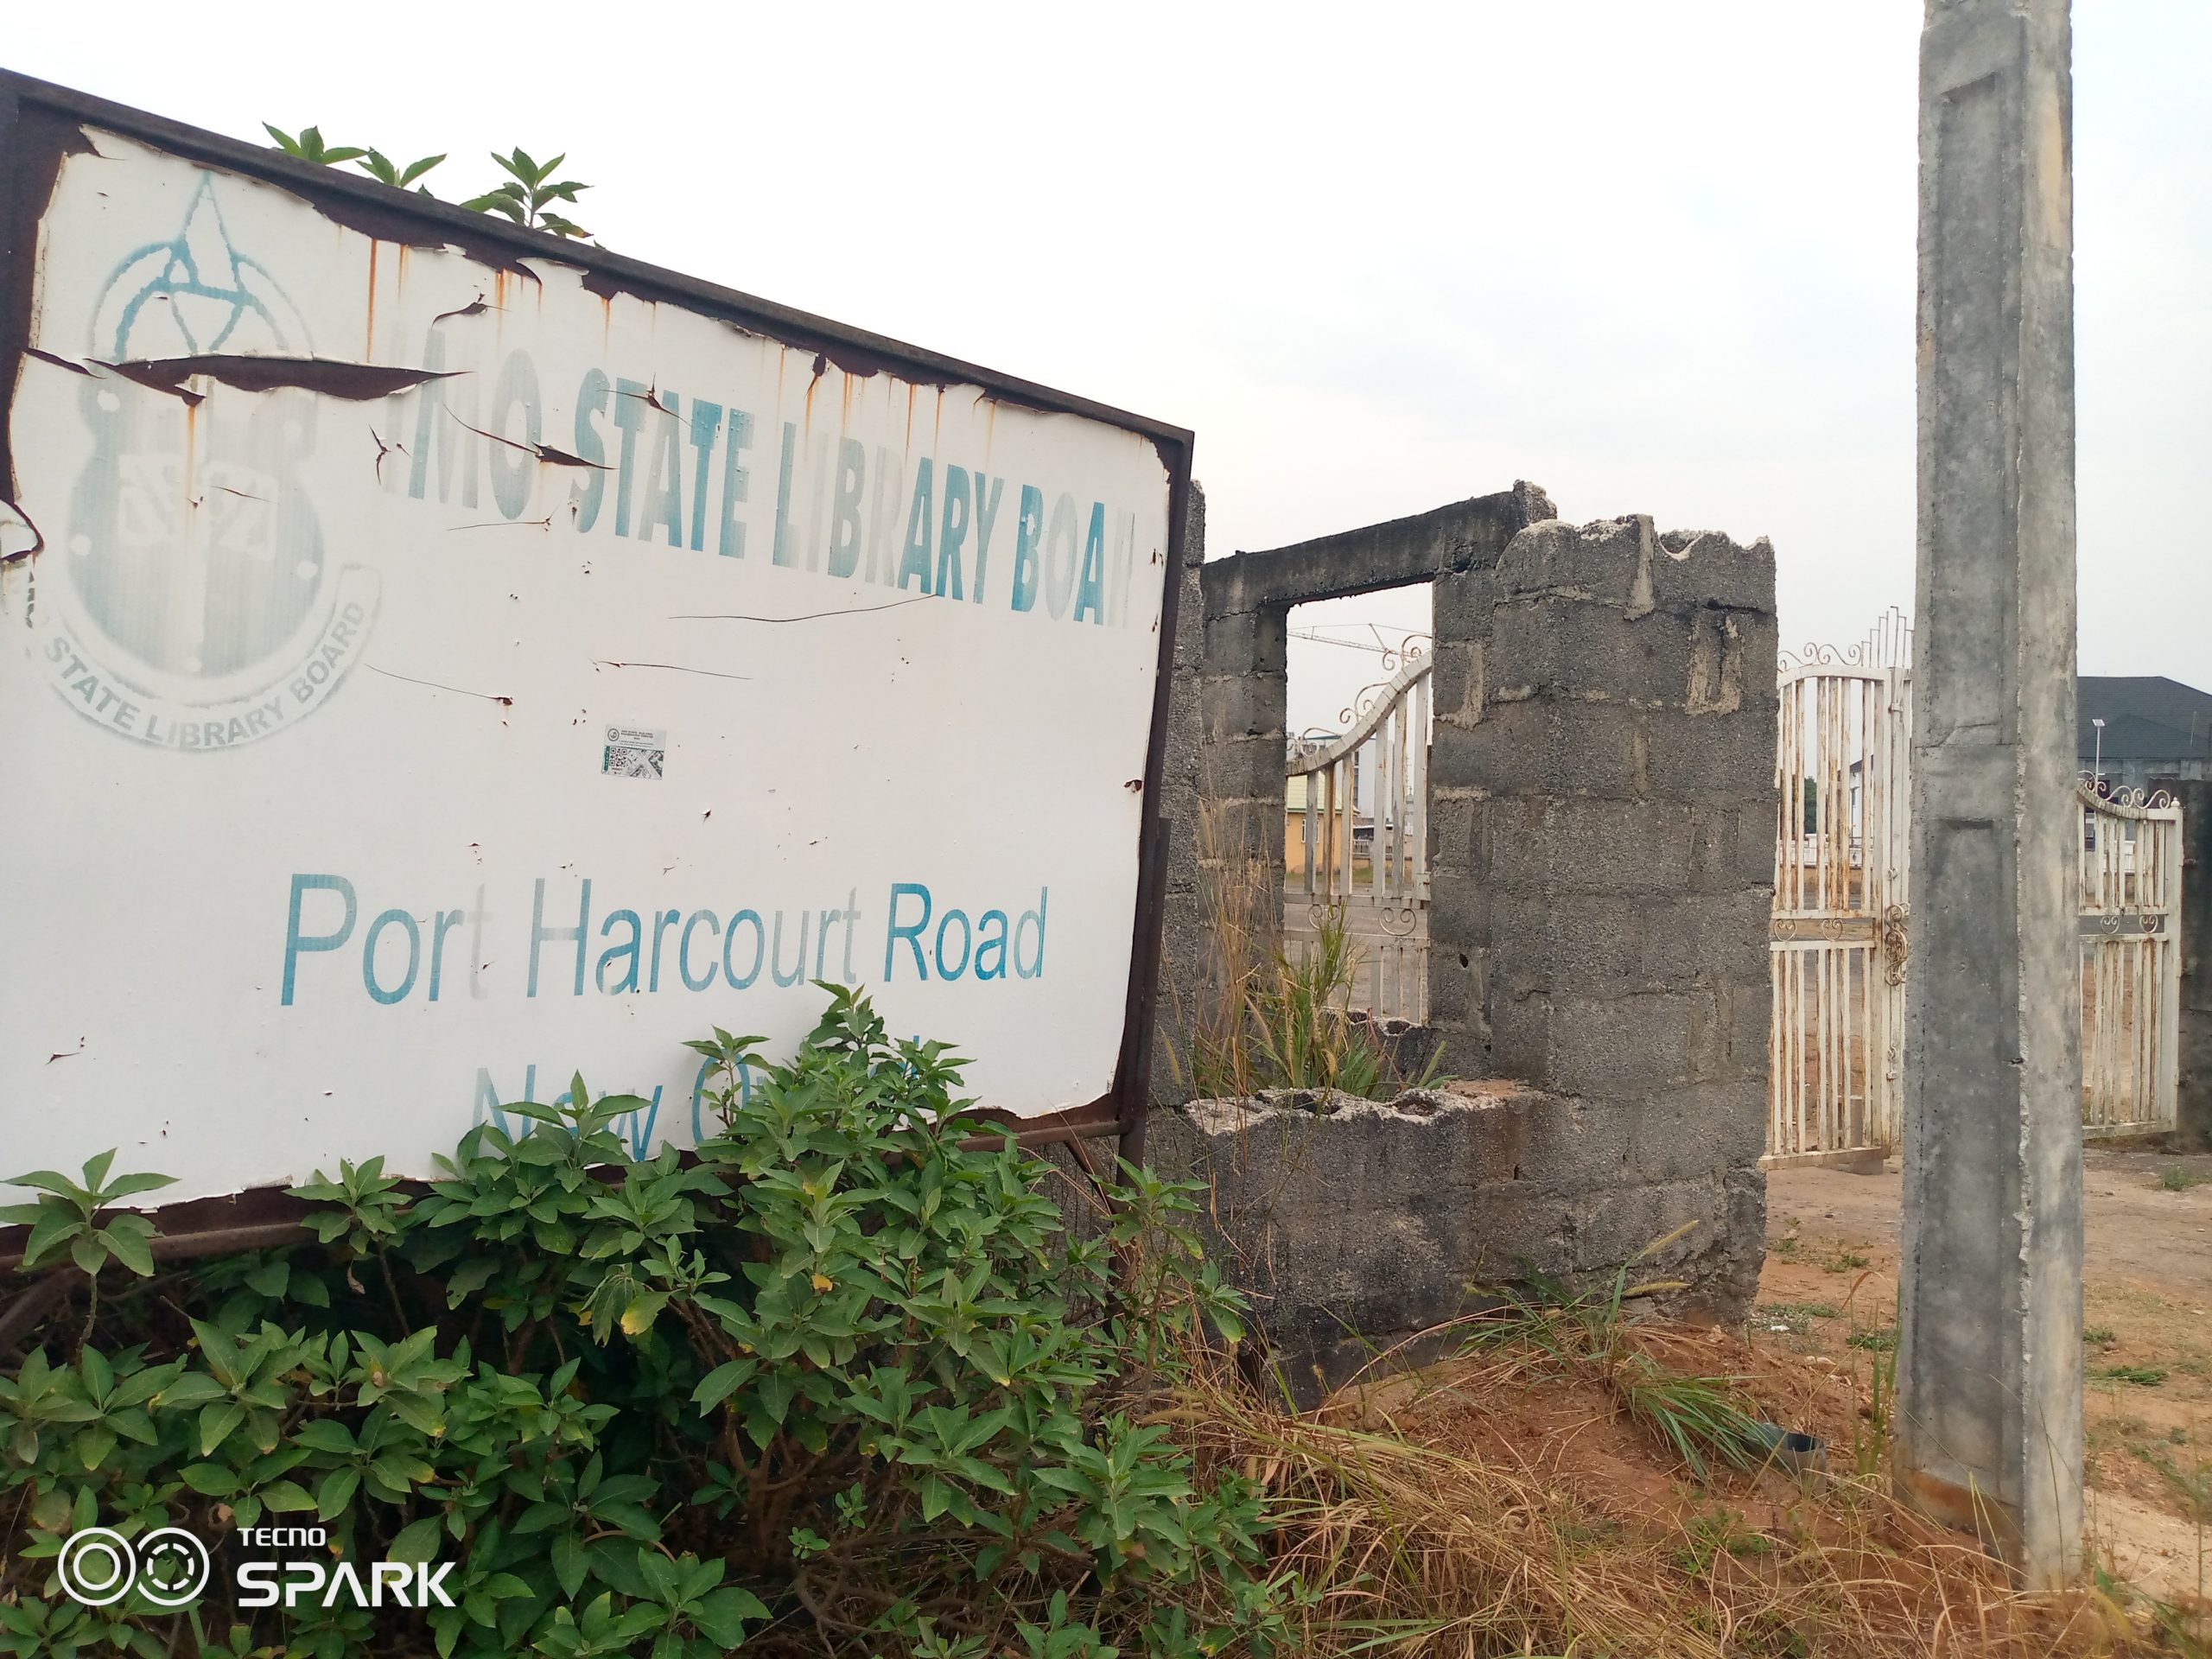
2097, 762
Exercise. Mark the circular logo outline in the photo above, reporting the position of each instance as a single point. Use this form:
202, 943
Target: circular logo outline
167, 1597
114, 1543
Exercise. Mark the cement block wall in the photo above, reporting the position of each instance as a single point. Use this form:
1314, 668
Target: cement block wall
1601, 821
1358, 1227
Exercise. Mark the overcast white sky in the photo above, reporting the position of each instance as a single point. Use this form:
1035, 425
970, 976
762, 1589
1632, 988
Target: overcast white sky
1655, 257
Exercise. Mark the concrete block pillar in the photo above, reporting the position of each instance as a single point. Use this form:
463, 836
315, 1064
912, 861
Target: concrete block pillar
2193, 1106
1603, 796
1989, 1359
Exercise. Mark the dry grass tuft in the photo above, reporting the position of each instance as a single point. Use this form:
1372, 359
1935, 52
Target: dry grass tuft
1427, 1516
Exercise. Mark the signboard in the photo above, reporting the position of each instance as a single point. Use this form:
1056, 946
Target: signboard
435, 659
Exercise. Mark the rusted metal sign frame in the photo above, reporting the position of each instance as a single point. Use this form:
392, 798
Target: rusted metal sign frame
42, 123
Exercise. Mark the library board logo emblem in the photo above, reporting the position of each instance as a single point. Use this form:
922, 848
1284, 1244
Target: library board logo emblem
197, 604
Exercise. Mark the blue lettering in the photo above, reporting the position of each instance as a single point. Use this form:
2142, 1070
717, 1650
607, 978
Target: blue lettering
639, 1142
759, 948
369, 956
967, 944
663, 920
445, 440
737, 481
915, 561
912, 934
539, 934
442, 923
629, 979
1028, 530
696, 981
1091, 590
664, 475
629, 415
706, 421
513, 471
986, 513
776, 956
780, 551
296, 942
845, 512
1037, 966
591, 402
990, 946
952, 534
1060, 557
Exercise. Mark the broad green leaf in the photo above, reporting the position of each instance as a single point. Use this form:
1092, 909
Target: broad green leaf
129, 1246
335, 1493
570, 1563
417, 1539
54, 1225
285, 1496
721, 1383
216, 1423
722, 1614
138, 1181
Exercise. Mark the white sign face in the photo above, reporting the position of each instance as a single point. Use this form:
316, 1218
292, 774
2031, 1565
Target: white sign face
382, 749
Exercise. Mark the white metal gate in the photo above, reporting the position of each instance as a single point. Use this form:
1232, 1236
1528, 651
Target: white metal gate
2131, 962
1839, 938
1837, 942
1363, 837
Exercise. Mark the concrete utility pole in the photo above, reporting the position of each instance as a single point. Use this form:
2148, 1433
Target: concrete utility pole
1989, 1352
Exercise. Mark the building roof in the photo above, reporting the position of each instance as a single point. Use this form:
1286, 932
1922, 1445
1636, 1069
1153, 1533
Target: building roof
2147, 717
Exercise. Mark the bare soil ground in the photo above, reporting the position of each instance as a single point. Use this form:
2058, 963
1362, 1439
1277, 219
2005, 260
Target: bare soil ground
1828, 1301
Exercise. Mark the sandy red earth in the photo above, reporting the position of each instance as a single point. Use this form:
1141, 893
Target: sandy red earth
1828, 1298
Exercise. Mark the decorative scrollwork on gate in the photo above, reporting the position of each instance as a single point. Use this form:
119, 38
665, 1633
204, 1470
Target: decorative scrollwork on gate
2100, 791
1814, 655
1895, 943
1372, 696
1396, 657
1398, 921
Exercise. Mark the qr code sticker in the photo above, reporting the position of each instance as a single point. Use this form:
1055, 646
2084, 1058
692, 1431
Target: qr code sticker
631, 753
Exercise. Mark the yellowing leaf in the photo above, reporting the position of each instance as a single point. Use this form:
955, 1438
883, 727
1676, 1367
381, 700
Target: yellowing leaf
822, 1281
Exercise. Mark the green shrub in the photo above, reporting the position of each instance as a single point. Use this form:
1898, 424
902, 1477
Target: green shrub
840, 1384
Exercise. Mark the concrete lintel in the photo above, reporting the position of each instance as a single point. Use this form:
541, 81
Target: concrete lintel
1417, 549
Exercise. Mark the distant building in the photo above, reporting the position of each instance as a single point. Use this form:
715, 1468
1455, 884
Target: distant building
1310, 786
2156, 731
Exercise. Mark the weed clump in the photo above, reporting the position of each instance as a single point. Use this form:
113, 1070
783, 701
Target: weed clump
1275, 1014
843, 1383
